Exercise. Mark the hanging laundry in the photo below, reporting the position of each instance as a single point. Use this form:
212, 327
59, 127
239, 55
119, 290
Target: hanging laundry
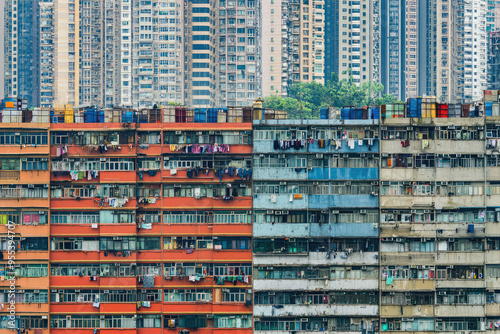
425, 143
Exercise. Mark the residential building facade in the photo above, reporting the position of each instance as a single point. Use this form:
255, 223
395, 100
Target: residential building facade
21, 64
353, 40
293, 47
142, 231
457, 43
238, 38
316, 226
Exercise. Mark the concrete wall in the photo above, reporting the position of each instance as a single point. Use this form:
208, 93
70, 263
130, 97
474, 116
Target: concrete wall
315, 310
294, 230
314, 284
316, 258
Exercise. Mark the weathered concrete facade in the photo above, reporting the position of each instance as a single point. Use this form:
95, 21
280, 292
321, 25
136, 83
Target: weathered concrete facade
316, 226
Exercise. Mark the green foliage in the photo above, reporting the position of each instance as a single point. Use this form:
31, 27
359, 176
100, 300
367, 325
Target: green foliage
307, 98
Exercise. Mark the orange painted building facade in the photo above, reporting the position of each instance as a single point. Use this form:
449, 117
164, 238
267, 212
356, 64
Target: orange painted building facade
129, 227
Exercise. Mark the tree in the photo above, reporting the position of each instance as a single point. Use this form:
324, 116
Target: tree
312, 96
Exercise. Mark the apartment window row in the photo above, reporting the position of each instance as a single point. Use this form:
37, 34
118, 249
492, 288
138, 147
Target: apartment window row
24, 244
432, 161
23, 218
299, 245
430, 272
467, 215
407, 188
321, 188
304, 161
85, 138
324, 216
206, 190
317, 324
430, 324
147, 217
179, 162
208, 137
107, 164
26, 270
91, 191
24, 191
23, 138
431, 245
437, 133
13, 164
334, 272
326, 133
316, 298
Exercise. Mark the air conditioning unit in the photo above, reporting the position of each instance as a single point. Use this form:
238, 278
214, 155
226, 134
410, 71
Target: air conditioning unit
285, 212
277, 212
363, 268
375, 225
319, 156
399, 240
442, 293
315, 183
178, 132
272, 293
348, 183
383, 128
283, 183
451, 240
413, 211
324, 211
423, 240
270, 212
304, 319
335, 212
362, 211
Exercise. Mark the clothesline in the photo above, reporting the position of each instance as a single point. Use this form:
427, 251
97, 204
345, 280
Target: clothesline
199, 148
